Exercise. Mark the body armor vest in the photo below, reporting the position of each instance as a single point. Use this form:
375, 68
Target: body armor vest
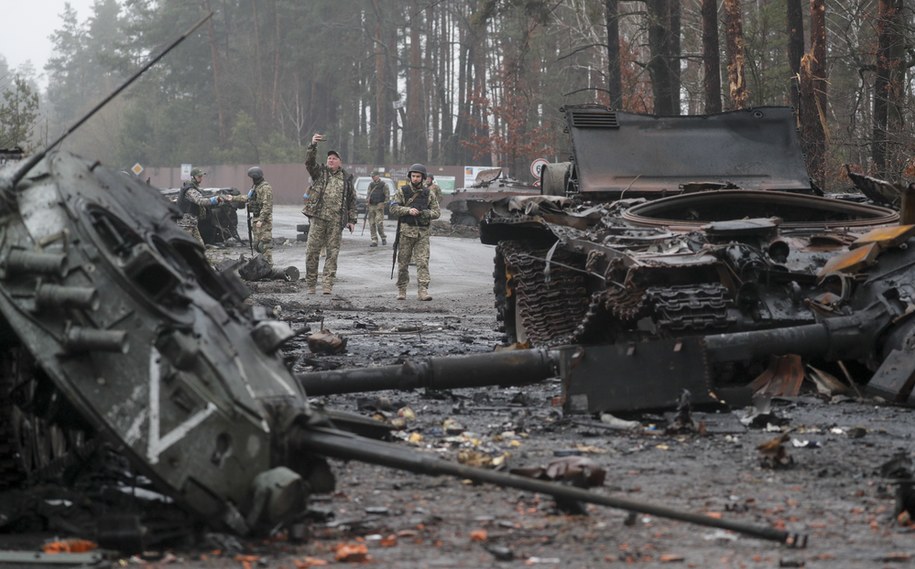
420, 202
376, 196
185, 205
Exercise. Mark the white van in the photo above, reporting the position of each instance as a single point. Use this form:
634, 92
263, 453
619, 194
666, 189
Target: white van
362, 187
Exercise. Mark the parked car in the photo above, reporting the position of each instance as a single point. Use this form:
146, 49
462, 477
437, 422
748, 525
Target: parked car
362, 187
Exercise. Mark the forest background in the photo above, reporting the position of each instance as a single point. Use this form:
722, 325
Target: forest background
463, 81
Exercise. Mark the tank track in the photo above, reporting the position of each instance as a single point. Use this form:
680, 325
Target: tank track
563, 311
550, 312
32, 448
12, 472
690, 308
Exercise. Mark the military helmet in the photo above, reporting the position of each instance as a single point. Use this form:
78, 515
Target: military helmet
255, 173
417, 168
198, 172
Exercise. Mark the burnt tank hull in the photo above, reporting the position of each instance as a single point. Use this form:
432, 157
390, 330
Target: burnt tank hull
119, 309
663, 229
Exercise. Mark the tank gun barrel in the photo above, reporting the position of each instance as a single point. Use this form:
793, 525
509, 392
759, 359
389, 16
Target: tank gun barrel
516, 367
337, 444
841, 337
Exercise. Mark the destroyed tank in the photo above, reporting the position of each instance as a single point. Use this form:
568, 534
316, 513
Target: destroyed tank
469, 205
664, 228
115, 328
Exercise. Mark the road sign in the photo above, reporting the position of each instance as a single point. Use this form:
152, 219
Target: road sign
537, 166
185, 171
137, 169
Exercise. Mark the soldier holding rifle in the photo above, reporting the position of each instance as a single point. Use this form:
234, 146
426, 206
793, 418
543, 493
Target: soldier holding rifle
416, 207
378, 197
259, 201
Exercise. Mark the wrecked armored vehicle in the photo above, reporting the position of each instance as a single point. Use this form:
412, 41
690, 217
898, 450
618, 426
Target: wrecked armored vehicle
666, 231
469, 205
115, 328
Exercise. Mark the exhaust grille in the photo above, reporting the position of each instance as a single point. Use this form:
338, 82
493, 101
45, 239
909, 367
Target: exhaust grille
585, 119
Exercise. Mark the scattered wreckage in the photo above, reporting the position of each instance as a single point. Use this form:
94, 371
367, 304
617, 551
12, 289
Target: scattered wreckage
116, 329
173, 367
684, 252
682, 266
469, 205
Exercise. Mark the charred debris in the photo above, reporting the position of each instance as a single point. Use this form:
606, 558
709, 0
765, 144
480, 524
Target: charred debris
127, 355
125, 351
685, 253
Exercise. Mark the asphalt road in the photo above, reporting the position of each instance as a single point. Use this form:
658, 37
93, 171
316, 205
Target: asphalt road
461, 268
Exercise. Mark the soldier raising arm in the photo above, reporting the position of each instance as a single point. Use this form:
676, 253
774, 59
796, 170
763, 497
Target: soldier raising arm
330, 205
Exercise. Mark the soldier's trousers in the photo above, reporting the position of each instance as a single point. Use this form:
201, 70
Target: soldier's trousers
376, 222
189, 224
263, 241
413, 248
322, 234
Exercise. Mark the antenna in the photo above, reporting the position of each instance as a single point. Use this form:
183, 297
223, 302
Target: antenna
30, 163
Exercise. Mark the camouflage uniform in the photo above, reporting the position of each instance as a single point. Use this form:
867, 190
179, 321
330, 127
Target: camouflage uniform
433, 187
378, 196
330, 205
414, 234
260, 203
192, 204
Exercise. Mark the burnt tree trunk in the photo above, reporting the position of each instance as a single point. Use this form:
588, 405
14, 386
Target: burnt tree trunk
275, 96
887, 83
711, 59
795, 21
812, 115
217, 78
380, 109
734, 42
614, 76
445, 98
659, 41
415, 143
673, 54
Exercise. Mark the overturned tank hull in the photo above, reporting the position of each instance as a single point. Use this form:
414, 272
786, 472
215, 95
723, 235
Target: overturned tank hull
118, 313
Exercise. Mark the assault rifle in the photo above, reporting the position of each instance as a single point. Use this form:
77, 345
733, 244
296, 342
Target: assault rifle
250, 235
396, 242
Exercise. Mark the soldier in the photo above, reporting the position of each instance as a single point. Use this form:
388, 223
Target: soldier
330, 205
192, 204
260, 204
415, 206
378, 197
433, 187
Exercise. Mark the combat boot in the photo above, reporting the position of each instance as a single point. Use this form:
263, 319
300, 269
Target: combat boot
402, 294
423, 294
312, 290
384, 241
327, 289
374, 244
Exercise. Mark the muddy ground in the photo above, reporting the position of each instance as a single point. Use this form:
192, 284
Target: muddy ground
833, 491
